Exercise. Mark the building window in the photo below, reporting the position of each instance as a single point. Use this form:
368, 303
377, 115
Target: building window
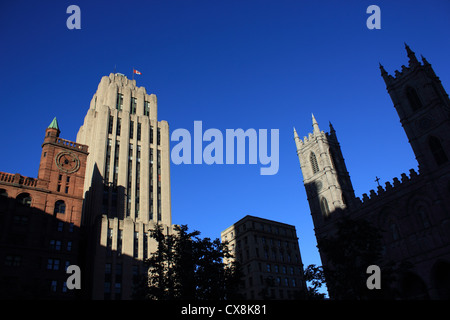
24, 199
119, 101
118, 127
136, 244
394, 231
133, 105
52, 264
116, 163
108, 157
131, 129
324, 207
158, 136
423, 216
138, 134
55, 245
53, 285
151, 134
110, 124
3, 193
13, 261
314, 164
437, 150
413, 98
146, 108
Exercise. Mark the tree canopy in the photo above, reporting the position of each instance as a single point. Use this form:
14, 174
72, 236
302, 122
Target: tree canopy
185, 266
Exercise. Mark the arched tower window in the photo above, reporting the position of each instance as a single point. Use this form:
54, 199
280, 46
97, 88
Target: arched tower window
24, 199
423, 216
413, 99
437, 150
324, 207
60, 207
314, 164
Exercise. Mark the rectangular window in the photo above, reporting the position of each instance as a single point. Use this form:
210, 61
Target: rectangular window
151, 134
118, 127
119, 241
53, 285
116, 162
108, 156
133, 105
159, 137
68, 179
110, 124
119, 101
131, 129
67, 189
138, 134
136, 244
146, 108
52, 264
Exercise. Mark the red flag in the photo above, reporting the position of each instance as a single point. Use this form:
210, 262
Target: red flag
137, 72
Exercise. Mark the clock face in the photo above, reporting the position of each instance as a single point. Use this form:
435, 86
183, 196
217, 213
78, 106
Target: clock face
67, 161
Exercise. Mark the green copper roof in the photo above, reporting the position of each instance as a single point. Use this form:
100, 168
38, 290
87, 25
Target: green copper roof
54, 124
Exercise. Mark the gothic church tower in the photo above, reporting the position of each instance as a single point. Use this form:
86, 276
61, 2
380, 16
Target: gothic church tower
325, 176
424, 110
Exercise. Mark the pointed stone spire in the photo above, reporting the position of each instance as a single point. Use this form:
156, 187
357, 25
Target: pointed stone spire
332, 129
315, 124
295, 134
384, 74
425, 62
411, 55
383, 71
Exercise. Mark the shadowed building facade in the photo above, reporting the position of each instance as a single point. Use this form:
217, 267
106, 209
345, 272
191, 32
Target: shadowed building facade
269, 256
127, 186
40, 221
413, 212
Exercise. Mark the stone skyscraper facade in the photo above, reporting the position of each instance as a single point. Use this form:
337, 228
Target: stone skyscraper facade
127, 186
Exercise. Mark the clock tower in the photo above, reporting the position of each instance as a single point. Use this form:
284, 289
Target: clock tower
62, 168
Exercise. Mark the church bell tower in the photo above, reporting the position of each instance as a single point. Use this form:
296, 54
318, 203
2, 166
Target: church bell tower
325, 176
424, 110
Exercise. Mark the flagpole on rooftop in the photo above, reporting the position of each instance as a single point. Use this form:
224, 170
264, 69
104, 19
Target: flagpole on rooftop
133, 75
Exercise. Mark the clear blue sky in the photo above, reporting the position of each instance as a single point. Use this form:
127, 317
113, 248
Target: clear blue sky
232, 64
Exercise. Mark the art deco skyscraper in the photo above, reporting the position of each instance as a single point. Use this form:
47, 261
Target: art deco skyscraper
127, 185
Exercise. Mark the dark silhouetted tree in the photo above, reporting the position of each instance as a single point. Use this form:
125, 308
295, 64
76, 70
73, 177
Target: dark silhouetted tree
314, 277
185, 266
355, 246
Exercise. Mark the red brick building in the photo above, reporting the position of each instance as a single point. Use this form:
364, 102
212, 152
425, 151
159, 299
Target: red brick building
40, 221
